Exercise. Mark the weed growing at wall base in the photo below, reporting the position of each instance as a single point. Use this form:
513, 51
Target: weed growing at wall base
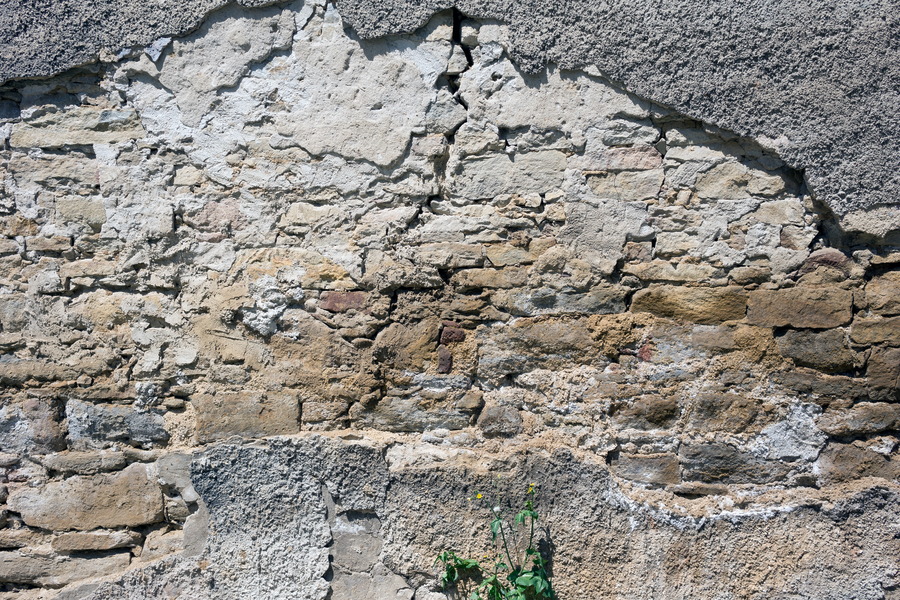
515, 570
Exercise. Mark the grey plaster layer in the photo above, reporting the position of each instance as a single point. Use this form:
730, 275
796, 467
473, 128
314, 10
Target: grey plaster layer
277, 509
818, 80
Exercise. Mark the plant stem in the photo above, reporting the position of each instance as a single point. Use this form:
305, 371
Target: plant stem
531, 531
506, 547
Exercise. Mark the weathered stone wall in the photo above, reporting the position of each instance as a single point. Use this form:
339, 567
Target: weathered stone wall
444, 268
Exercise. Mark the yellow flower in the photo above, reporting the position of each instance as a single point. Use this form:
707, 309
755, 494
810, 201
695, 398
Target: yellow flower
479, 496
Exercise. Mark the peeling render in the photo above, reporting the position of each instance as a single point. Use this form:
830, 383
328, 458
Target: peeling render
815, 82
425, 265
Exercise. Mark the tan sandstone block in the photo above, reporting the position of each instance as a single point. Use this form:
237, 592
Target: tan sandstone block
814, 308
248, 414
875, 330
56, 571
82, 210
82, 125
653, 469
95, 541
883, 294
128, 498
883, 373
861, 419
703, 305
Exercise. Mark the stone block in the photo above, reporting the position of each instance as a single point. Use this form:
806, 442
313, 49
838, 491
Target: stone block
247, 414
381, 584
875, 330
862, 419
712, 462
411, 414
58, 571
883, 374
883, 294
661, 270
734, 181
129, 498
13, 316
21, 538
848, 462
540, 343
704, 305
647, 411
95, 541
500, 421
339, 302
356, 543
56, 243
503, 255
656, 469
526, 173
802, 307
19, 372
747, 275
450, 255
451, 333
715, 338
31, 425
531, 302
471, 279
87, 268
85, 463
83, 125
642, 157
627, 186
100, 425
162, 542
824, 350
76, 171
323, 411
780, 212
824, 389
407, 346
8, 246
444, 359
75, 209
445, 114
727, 412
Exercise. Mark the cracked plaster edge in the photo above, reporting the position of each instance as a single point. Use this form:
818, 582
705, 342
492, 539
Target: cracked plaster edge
877, 221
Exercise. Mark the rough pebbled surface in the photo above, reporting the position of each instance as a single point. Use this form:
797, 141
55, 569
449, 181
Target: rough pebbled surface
279, 508
818, 80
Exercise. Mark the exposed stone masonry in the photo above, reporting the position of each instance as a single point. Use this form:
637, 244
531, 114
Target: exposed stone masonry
271, 227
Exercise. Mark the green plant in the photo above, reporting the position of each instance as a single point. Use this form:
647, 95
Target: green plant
515, 571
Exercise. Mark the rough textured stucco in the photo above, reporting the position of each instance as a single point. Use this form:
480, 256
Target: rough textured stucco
278, 518
817, 80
